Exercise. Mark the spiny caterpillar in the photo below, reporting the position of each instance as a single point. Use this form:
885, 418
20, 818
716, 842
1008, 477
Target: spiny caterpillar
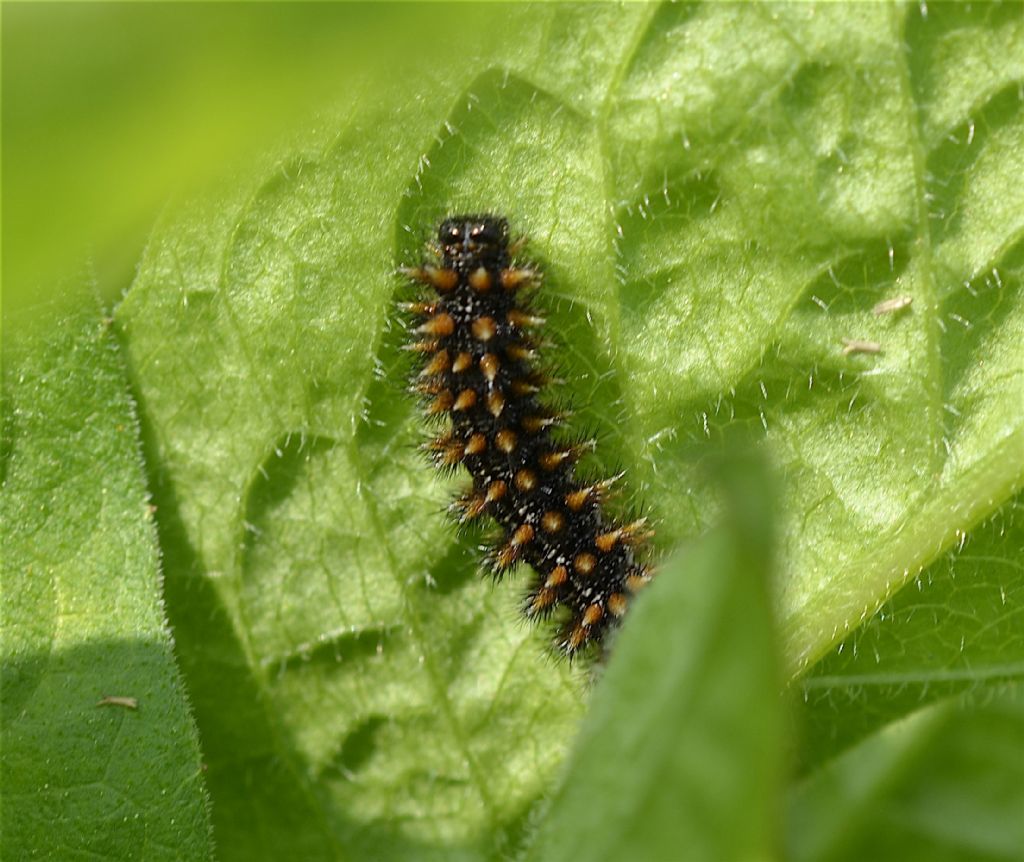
478, 348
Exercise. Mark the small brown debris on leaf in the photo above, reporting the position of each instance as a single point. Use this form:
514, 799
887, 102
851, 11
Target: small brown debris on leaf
891, 306
116, 700
856, 345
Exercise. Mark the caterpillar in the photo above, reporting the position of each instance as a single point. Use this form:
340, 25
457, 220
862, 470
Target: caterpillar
477, 340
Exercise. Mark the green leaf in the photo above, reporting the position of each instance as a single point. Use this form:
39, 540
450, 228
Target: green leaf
718, 195
957, 629
680, 747
946, 783
100, 756
832, 159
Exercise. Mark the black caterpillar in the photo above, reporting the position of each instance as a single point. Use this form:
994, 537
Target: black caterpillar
478, 348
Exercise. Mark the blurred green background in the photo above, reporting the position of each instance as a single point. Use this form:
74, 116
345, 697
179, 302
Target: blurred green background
112, 109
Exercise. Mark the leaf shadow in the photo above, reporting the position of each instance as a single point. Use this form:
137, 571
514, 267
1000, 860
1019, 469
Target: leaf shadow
74, 756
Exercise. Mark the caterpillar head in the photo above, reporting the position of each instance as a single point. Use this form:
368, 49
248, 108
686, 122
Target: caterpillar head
477, 240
